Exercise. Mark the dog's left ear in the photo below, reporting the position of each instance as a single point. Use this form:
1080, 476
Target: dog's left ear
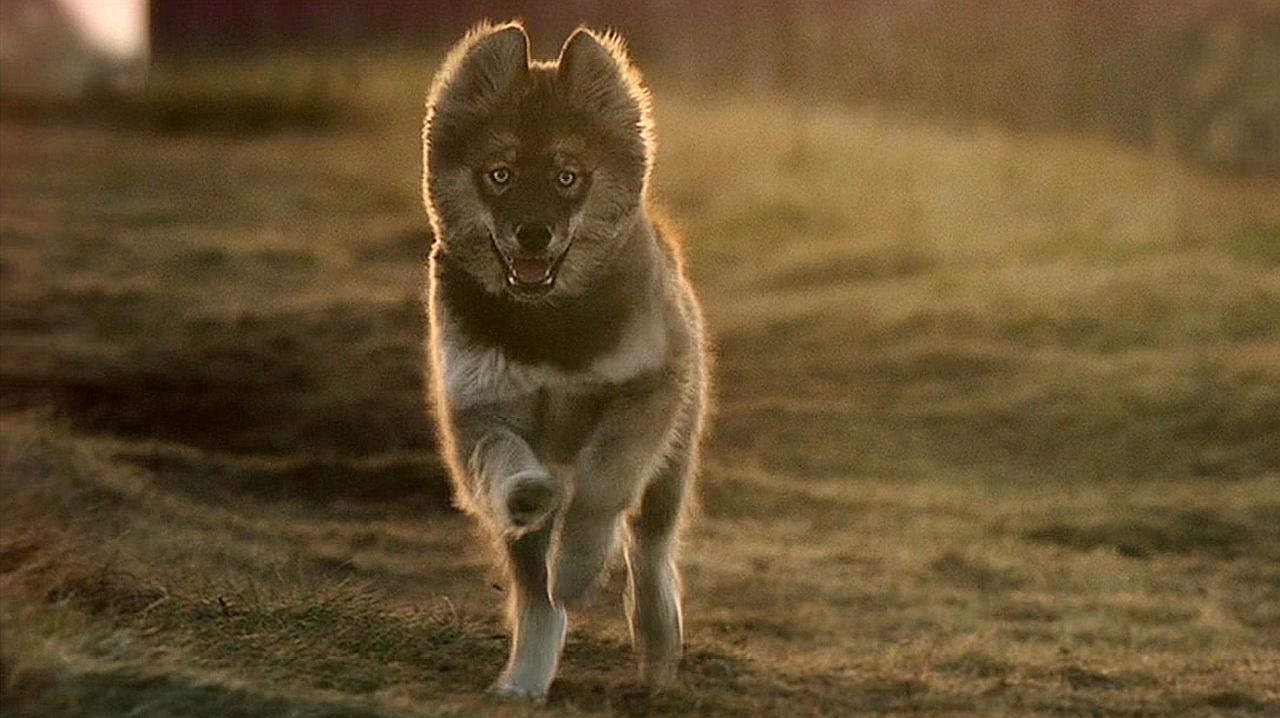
598, 76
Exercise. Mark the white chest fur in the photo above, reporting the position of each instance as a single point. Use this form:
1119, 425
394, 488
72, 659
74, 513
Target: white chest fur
476, 374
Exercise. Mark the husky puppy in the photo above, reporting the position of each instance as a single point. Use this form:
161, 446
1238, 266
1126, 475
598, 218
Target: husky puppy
567, 366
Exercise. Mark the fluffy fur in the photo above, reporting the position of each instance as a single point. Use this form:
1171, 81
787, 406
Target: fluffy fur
567, 367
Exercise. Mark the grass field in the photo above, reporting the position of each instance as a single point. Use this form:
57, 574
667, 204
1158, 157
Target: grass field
998, 424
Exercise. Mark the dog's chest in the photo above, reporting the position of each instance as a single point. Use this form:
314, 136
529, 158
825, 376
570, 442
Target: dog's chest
480, 373
568, 335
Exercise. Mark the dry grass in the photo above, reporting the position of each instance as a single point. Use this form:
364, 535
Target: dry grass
998, 428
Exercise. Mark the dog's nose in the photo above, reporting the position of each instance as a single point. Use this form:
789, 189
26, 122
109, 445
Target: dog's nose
533, 237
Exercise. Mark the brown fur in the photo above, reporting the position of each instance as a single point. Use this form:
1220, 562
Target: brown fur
567, 370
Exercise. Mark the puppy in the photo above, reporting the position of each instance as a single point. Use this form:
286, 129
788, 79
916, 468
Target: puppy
567, 368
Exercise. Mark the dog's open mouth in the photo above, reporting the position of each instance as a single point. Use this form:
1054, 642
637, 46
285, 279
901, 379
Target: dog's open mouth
531, 275
531, 271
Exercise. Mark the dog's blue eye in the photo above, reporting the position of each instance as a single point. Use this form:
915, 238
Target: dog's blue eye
566, 179
501, 175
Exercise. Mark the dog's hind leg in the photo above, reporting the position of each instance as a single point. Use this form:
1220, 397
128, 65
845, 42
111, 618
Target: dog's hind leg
538, 626
653, 592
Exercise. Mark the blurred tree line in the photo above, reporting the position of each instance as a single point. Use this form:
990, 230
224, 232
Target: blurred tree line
1201, 77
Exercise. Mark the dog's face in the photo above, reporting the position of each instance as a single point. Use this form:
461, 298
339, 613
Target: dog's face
535, 171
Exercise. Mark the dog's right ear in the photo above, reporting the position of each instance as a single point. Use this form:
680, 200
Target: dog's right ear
479, 70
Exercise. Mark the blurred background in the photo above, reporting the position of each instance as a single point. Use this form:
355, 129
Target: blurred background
1197, 77
993, 289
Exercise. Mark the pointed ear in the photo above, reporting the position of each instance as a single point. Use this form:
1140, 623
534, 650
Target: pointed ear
598, 77
479, 70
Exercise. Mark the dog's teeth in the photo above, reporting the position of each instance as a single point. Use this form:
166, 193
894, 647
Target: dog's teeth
531, 271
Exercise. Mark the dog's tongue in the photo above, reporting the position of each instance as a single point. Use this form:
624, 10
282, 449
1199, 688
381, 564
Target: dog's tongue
530, 271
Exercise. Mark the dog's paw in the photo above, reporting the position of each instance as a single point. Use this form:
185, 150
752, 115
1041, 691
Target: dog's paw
529, 499
586, 543
575, 576
505, 690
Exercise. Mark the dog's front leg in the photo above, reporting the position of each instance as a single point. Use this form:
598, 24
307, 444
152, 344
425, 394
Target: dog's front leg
505, 481
624, 449
509, 484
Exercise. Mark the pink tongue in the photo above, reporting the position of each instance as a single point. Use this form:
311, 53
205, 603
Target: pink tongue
531, 271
